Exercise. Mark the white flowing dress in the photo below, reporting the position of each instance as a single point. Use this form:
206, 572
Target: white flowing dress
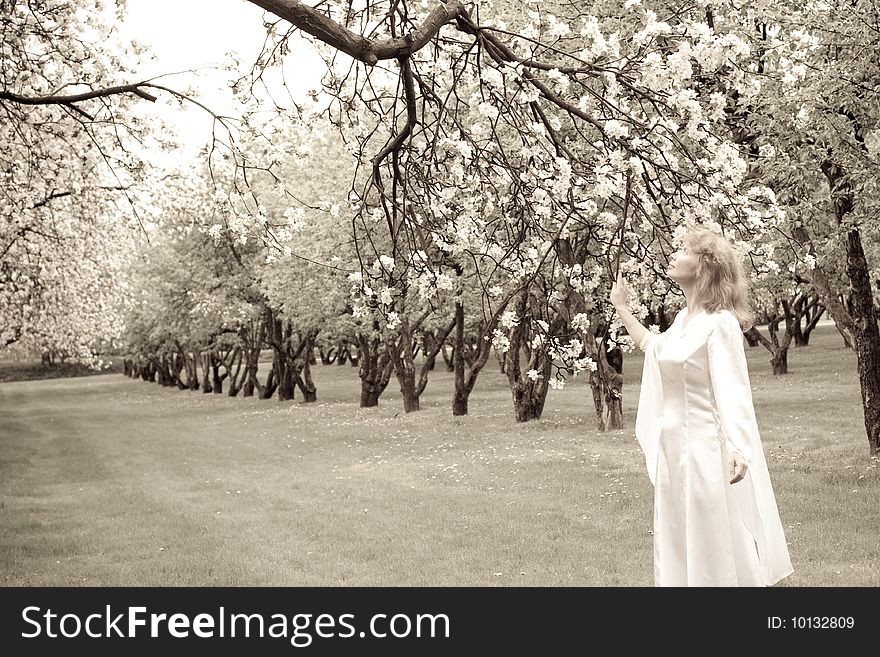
695, 407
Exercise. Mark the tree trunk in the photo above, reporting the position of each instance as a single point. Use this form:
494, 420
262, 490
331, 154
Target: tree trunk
159, 366
526, 404
281, 365
401, 352
294, 359
374, 367
304, 376
166, 371
408, 389
286, 389
459, 403
867, 337
247, 388
309, 390
280, 378
468, 362
812, 315
369, 397
216, 380
253, 341
206, 372
779, 361
148, 371
271, 384
501, 357
611, 386
791, 316
528, 395
460, 394
178, 361
233, 367
299, 363
191, 368
778, 349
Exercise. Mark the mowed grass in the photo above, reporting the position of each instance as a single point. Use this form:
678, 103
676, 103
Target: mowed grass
110, 481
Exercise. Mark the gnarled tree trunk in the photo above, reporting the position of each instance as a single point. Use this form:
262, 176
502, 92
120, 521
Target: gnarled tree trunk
528, 394
374, 367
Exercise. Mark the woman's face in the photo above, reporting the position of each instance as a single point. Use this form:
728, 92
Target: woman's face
682, 265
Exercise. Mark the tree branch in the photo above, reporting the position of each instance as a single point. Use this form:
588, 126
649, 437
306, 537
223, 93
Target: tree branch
322, 27
394, 146
77, 98
54, 195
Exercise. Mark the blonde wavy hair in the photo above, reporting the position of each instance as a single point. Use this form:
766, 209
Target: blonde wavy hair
720, 277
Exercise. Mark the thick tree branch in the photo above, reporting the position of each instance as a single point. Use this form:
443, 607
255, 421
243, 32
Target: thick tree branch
322, 27
77, 98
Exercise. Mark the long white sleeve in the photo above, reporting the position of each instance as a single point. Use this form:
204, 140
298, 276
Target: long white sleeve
731, 388
643, 343
754, 495
649, 413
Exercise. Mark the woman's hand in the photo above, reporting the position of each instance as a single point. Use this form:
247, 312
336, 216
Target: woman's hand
738, 467
619, 292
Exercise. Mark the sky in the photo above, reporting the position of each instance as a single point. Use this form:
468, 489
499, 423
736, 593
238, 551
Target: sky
197, 34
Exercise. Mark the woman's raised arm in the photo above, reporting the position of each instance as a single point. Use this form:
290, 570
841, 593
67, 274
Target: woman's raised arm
634, 328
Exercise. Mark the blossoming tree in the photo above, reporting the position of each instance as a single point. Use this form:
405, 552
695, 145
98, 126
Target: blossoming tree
533, 143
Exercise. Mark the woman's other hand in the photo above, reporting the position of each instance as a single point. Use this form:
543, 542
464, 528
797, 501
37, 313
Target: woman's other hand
738, 467
619, 292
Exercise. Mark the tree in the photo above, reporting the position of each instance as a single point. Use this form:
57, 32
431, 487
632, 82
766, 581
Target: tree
811, 125
511, 147
69, 164
195, 302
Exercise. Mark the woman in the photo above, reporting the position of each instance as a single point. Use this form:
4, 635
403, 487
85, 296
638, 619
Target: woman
716, 522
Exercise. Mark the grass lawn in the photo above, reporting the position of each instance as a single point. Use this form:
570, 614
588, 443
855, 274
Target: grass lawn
110, 481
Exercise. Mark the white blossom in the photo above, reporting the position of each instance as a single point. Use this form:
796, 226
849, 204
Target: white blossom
509, 319
500, 341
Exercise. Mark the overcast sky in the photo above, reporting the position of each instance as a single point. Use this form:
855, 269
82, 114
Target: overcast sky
197, 34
